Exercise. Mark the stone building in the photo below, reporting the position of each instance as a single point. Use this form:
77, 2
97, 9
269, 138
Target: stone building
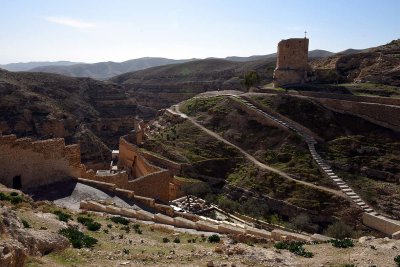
292, 62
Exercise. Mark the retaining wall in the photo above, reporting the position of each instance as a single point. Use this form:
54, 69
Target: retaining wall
381, 223
37, 163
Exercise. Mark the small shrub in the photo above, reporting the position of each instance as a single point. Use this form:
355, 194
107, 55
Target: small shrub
120, 220
137, 229
295, 247
13, 194
177, 240
126, 229
84, 220
4, 197
397, 260
26, 224
342, 243
64, 217
109, 225
16, 199
214, 239
105, 231
77, 238
126, 251
339, 230
93, 226
165, 240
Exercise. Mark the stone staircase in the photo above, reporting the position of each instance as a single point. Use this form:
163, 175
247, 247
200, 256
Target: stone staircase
325, 168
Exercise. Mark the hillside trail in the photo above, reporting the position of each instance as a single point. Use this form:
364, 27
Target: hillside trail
175, 110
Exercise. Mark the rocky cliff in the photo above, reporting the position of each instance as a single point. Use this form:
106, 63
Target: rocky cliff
377, 65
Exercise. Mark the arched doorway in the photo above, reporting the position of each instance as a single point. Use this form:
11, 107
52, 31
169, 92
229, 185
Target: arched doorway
17, 183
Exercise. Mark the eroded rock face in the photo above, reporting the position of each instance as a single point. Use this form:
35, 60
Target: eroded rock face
18, 243
91, 113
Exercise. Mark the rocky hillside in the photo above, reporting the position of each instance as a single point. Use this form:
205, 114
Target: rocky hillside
160, 87
81, 110
26, 66
363, 153
106, 70
377, 65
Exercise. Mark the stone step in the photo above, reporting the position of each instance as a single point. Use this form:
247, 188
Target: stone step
347, 190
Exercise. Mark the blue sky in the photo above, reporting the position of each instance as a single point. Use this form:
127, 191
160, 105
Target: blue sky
118, 30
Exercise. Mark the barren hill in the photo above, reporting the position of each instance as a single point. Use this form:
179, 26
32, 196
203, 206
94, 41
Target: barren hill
105, 70
160, 87
377, 65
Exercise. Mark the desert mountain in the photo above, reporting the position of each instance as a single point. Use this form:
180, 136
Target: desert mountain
30, 65
105, 70
162, 86
377, 65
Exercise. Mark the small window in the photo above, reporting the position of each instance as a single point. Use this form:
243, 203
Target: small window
17, 183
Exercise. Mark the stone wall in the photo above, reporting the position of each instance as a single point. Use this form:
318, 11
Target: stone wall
381, 223
384, 115
137, 174
38, 163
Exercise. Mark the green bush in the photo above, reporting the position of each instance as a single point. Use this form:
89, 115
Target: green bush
295, 247
26, 224
120, 220
90, 224
165, 240
342, 243
13, 194
77, 238
84, 220
16, 199
177, 240
339, 230
93, 226
62, 216
214, 239
397, 260
4, 197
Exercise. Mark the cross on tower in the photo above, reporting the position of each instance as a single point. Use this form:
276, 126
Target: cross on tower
305, 34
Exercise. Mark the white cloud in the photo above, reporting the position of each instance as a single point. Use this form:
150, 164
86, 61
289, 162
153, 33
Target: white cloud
70, 22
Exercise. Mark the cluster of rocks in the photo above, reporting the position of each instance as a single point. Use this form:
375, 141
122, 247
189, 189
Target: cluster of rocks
191, 204
17, 242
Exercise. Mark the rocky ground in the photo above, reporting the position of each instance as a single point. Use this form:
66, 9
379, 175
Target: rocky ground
29, 237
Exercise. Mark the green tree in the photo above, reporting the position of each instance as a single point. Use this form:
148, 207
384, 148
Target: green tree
251, 78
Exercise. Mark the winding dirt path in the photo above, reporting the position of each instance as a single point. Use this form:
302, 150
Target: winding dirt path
175, 110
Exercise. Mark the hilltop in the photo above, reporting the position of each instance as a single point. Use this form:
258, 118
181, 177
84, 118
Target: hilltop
105, 70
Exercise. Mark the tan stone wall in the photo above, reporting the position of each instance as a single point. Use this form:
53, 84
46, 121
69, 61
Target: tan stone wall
155, 185
38, 162
384, 115
380, 223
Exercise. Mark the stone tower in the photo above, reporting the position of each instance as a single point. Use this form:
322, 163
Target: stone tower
292, 62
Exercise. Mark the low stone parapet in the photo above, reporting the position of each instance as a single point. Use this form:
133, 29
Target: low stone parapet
97, 184
229, 229
381, 223
206, 226
257, 232
161, 218
144, 215
184, 223
280, 235
320, 238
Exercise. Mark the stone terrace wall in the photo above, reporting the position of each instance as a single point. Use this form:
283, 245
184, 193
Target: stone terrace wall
38, 162
384, 115
131, 159
154, 185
